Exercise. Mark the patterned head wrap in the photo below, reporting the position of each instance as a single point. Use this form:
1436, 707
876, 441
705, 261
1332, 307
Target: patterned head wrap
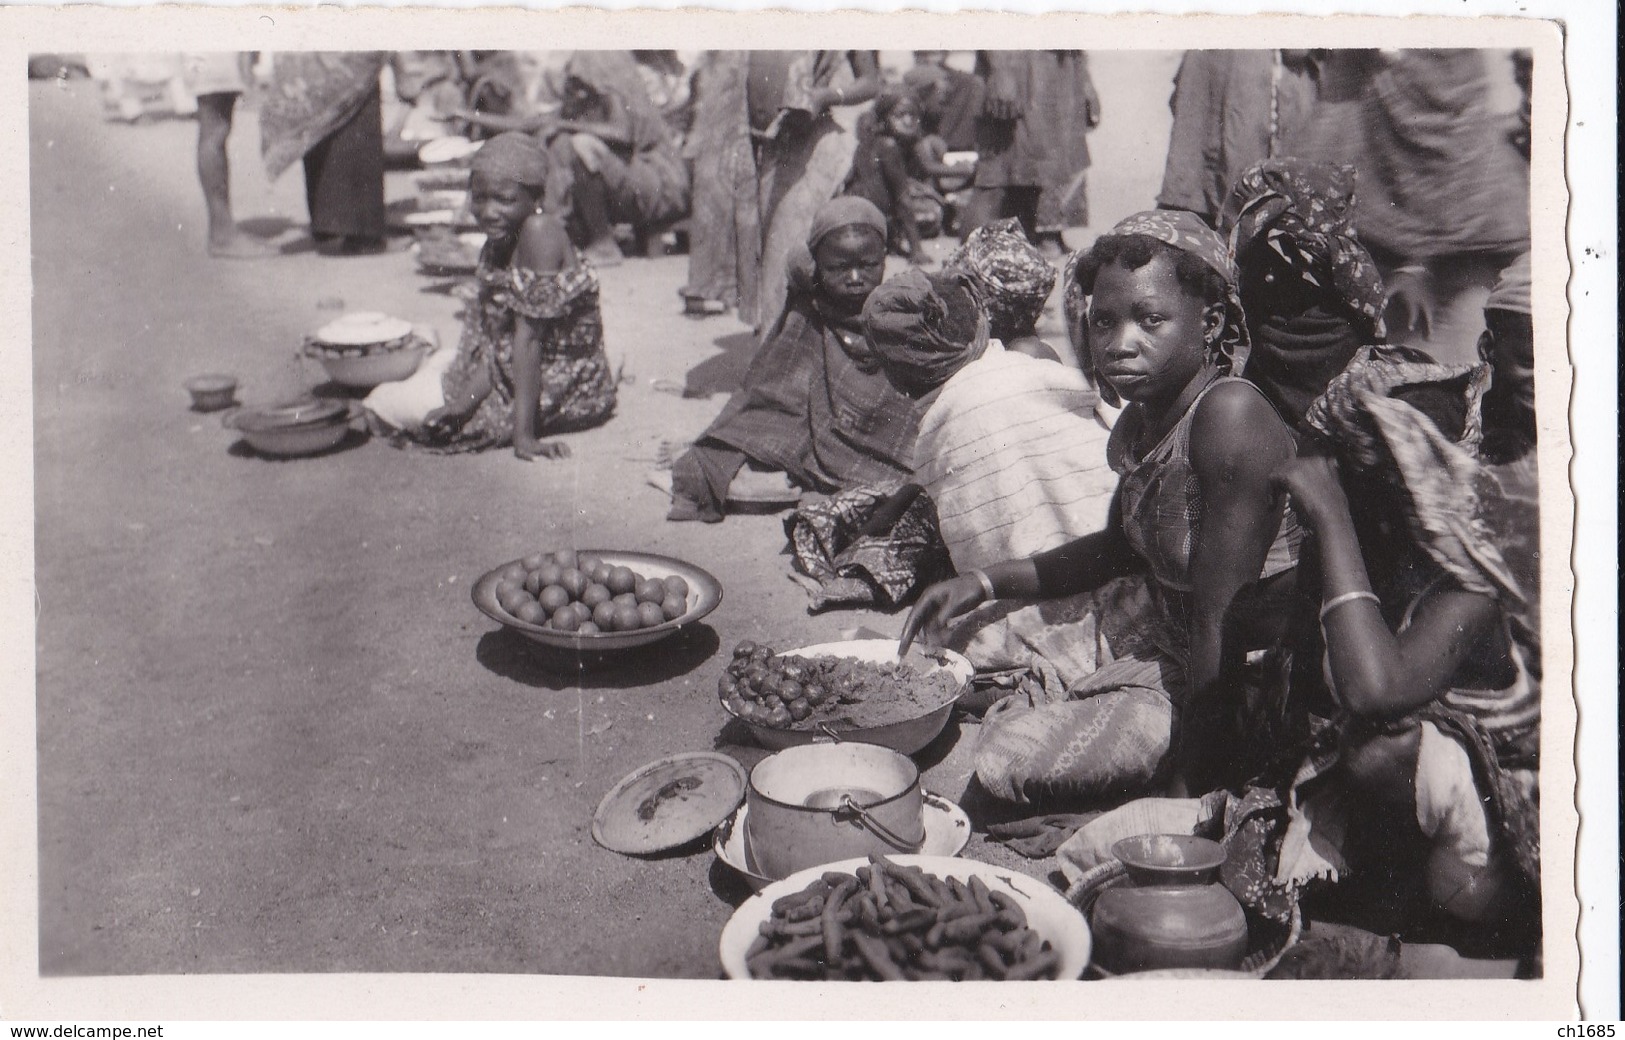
843, 211
512, 157
1377, 432
1304, 213
1187, 233
1011, 278
906, 320
1511, 292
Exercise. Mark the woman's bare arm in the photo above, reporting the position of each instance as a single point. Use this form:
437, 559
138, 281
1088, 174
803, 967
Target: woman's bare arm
1376, 672
1237, 442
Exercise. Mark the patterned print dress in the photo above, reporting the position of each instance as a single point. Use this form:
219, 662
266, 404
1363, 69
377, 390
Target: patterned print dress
577, 386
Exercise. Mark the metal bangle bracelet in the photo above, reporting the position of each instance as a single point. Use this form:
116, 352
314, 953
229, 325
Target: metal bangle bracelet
987, 584
1347, 597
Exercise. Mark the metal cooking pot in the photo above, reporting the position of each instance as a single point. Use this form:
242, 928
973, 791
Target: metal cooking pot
819, 803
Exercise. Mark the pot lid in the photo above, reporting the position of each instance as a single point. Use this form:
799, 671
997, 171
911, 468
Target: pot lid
669, 803
362, 328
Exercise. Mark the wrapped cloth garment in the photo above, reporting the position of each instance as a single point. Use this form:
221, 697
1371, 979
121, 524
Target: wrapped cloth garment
852, 555
725, 229
1068, 108
1012, 456
1438, 175
1304, 212
1231, 108
814, 403
313, 94
577, 388
646, 179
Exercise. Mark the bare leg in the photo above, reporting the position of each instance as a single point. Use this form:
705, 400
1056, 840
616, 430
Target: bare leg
588, 218
214, 112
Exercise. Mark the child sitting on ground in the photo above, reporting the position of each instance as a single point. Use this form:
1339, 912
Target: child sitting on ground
531, 359
815, 409
880, 169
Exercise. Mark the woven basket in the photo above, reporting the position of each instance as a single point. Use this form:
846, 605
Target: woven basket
1269, 940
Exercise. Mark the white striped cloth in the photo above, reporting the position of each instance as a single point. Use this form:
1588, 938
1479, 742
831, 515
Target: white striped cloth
1013, 458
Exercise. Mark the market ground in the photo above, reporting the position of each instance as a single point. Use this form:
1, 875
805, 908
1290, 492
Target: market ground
273, 733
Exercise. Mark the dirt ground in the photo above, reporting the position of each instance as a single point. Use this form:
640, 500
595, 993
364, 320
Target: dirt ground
274, 734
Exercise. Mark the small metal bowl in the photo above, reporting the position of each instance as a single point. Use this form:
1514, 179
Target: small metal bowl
212, 391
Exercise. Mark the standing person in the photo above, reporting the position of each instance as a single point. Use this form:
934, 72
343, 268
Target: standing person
1012, 155
750, 219
950, 99
1444, 190
1068, 108
217, 80
325, 108
1231, 109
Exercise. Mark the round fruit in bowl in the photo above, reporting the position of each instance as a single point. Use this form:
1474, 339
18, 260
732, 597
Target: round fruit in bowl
598, 599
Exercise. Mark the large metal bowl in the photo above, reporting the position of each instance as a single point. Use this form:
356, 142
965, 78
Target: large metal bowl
704, 593
304, 428
909, 735
365, 369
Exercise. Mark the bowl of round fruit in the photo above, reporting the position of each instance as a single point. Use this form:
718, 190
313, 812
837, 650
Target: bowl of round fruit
596, 599
854, 690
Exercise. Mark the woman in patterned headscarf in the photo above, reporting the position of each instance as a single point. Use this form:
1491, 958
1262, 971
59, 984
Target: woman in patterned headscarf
1195, 520
1312, 293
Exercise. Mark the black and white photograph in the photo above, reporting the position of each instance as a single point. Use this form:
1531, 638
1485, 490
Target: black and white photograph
1050, 516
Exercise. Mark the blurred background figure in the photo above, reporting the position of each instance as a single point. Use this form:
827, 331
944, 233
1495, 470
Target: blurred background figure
1444, 190
1031, 153
423, 91
1231, 109
325, 108
217, 79
790, 113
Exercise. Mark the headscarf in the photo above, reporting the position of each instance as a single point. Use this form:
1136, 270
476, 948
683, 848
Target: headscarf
513, 157
843, 211
1511, 292
1011, 278
1304, 212
1377, 432
1187, 233
906, 322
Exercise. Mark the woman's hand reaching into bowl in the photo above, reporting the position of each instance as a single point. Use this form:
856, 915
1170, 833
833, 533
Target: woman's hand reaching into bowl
937, 606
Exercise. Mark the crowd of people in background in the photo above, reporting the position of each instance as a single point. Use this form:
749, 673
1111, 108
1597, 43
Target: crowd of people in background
1282, 593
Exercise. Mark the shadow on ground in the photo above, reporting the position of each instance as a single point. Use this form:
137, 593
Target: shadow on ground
514, 657
722, 373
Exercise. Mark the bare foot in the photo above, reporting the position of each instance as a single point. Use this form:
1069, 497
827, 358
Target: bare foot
667, 454
241, 247
604, 253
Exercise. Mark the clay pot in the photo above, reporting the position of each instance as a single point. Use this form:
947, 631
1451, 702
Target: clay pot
1173, 912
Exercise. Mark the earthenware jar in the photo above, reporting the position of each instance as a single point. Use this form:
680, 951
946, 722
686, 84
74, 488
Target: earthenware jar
1171, 912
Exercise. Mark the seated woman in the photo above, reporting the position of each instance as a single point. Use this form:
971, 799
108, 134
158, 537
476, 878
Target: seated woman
1312, 293
1194, 514
531, 359
814, 404
1010, 489
1421, 790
